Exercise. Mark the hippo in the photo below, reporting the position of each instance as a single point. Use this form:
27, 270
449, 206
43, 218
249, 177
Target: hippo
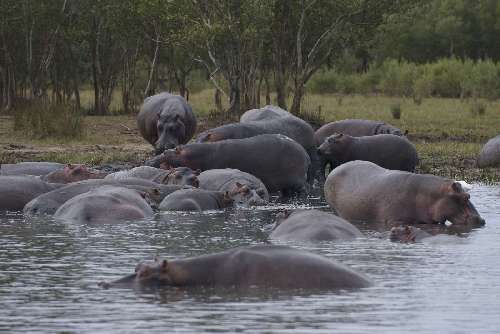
363, 191
73, 173
17, 190
165, 121
30, 168
196, 200
490, 154
105, 204
278, 161
262, 266
411, 234
265, 113
48, 203
246, 188
179, 175
386, 150
355, 128
312, 226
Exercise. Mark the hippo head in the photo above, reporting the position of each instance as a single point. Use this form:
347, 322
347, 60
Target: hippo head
334, 147
454, 205
171, 131
209, 136
182, 176
242, 194
74, 173
156, 273
226, 200
169, 159
404, 234
385, 128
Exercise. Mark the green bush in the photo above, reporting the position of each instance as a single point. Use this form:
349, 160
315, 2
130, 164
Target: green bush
41, 120
397, 78
323, 83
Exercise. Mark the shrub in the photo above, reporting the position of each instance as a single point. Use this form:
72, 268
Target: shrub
396, 110
41, 120
397, 78
478, 108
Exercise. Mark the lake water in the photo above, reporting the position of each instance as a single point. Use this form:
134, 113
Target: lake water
49, 273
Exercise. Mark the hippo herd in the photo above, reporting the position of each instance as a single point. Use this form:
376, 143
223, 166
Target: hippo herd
270, 151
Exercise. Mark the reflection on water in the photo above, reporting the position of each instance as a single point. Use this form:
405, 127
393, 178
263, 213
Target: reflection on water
49, 273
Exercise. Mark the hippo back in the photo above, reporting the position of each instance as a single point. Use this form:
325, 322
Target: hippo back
30, 168
490, 154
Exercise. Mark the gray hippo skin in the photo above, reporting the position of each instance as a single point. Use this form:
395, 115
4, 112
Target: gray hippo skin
105, 204
278, 161
265, 113
490, 154
16, 191
313, 226
73, 173
165, 121
196, 200
355, 128
261, 266
30, 168
362, 191
247, 189
179, 175
388, 151
48, 203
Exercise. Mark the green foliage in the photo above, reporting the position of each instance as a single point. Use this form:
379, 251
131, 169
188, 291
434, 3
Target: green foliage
43, 120
396, 110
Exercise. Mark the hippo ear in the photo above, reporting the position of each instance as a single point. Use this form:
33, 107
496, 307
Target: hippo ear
227, 195
156, 191
456, 187
197, 172
239, 185
178, 150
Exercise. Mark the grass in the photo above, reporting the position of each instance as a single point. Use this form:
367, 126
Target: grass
448, 136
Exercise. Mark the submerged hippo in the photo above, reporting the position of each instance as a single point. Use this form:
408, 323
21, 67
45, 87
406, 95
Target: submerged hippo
166, 120
16, 191
355, 128
246, 188
74, 173
48, 203
362, 191
246, 267
280, 162
490, 154
196, 200
388, 151
410, 234
313, 226
30, 168
105, 204
179, 175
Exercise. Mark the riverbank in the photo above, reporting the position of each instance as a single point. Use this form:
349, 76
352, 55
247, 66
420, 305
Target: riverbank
448, 133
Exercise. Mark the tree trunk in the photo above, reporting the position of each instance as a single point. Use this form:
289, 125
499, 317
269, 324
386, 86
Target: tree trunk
297, 96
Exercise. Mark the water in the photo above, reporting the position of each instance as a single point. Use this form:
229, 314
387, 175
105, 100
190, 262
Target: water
49, 273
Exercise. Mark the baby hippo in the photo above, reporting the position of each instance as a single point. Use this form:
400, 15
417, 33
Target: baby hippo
246, 267
73, 173
178, 175
313, 226
106, 204
196, 200
245, 188
386, 150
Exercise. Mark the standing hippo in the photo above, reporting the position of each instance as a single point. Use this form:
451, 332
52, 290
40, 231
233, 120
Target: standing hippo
490, 154
313, 226
30, 168
73, 173
16, 191
196, 200
179, 175
355, 128
245, 267
388, 151
362, 191
48, 203
166, 120
280, 162
105, 204
246, 188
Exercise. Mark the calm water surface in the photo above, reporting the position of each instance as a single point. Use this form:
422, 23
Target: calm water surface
49, 273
